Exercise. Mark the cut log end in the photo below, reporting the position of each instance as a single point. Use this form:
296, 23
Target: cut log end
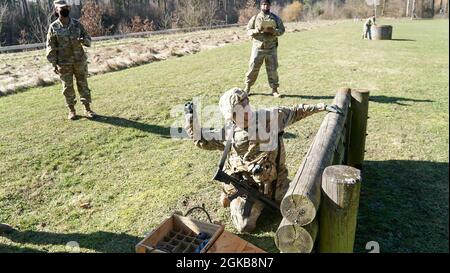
292, 238
343, 175
298, 209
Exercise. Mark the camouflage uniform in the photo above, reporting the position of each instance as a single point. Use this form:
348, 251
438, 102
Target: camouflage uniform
65, 51
367, 32
264, 48
245, 154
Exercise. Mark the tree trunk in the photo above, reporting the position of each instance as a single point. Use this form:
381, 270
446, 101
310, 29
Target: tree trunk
407, 7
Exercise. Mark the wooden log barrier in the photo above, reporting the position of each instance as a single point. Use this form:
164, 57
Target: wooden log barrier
339, 208
292, 238
302, 200
359, 116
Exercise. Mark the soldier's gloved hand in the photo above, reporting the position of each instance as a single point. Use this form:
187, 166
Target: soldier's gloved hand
334, 109
189, 111
270, 30
189, 108
257, 169
55, 69
82, 41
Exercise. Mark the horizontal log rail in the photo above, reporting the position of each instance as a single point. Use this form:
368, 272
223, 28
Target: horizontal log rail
340, 141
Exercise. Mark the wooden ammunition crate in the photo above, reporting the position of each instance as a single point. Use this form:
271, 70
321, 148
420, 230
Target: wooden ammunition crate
178, 234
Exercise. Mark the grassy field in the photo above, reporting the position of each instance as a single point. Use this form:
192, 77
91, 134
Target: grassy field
24, 70
105, 183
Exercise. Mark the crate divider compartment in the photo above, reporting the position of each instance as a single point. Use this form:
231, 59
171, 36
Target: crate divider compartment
178, 234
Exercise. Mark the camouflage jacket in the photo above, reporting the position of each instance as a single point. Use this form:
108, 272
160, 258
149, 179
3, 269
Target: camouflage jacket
369, 22
247, 151
265, 40
63, 46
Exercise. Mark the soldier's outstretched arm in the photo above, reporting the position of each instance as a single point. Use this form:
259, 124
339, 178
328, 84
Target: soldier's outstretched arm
51, 47
204, 138
290, 115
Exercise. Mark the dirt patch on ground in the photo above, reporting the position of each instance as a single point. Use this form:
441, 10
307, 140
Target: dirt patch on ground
24, 70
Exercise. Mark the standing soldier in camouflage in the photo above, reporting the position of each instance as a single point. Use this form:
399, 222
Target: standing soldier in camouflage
367, 32
65, 40
264, 28
250, 159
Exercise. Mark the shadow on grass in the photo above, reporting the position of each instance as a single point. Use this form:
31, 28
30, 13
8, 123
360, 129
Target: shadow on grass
16, 249
403, 40
295, 96
147, 128
378, 99
396, 100
404, 206
288, 135
99, 241
268, 222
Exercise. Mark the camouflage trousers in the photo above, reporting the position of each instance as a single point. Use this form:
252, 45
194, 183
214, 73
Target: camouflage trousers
66, 74
367, 33
270, 57
248, 223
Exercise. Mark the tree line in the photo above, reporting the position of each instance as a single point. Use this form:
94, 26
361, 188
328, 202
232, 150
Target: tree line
26, 21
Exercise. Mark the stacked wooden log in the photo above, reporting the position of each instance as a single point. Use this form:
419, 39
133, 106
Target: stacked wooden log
300, 227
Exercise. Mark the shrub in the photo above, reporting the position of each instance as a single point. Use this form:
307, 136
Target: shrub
292, 12
248, 12
91, 18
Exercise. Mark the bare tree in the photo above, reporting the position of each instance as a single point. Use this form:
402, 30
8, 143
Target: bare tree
40, 23
3, 9
197, 12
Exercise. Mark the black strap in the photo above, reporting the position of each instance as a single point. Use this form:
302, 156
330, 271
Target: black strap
249, 201
229, 132
278, 162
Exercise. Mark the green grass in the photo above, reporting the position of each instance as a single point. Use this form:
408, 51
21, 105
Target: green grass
133, 175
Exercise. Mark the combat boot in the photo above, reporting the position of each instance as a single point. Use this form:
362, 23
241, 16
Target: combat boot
224, 200
72, 113
88, 111
275, 92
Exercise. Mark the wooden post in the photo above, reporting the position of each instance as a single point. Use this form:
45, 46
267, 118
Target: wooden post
302, 200
341, 187
360, 111
292, 238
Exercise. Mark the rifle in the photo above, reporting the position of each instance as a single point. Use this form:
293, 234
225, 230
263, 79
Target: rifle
241, 186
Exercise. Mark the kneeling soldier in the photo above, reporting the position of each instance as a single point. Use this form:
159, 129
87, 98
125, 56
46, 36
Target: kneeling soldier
252, 159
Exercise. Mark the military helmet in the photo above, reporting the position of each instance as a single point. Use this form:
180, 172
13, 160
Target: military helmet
265, 2
230, 99
60, 3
